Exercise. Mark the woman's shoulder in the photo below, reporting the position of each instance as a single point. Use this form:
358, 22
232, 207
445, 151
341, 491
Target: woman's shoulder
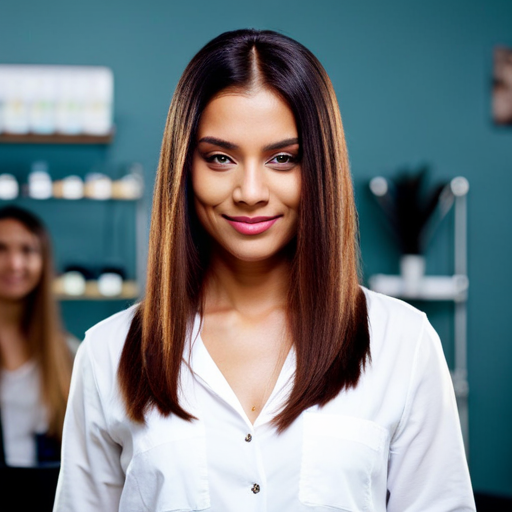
404, 347
104, 341
114, 324
388, 309
395, 326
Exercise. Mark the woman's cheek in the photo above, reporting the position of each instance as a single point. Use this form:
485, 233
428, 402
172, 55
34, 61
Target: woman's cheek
211, 189
289, 190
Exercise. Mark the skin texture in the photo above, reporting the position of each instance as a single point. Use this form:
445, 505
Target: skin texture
256, 174
21, 267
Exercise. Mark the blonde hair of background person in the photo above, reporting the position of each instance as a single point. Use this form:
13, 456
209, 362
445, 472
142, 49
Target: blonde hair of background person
257, 374
30, 326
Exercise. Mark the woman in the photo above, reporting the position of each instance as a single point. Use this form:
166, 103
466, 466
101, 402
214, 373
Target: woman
35, 361
257, 374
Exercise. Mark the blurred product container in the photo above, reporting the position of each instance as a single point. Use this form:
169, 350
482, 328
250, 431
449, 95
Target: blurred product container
71, 187
69, 100
16, 92
98, 186
131, 185
39, 181
9, 188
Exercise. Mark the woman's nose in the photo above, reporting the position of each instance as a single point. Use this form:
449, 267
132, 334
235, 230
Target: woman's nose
16, 260
251, 188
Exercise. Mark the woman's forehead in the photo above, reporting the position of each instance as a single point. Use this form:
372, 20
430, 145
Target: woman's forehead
16, 231
245, 116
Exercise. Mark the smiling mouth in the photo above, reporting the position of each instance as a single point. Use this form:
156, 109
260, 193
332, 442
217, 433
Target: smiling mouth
252, 225
251, 220
13, 277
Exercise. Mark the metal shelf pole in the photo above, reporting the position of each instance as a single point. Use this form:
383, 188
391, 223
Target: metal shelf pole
460, 373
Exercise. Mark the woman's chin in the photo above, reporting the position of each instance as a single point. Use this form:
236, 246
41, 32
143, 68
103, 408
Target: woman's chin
14, 295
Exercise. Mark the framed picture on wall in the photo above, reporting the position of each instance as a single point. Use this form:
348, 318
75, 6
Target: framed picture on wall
502, 86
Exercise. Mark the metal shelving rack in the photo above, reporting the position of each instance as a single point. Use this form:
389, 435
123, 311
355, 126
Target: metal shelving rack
445, 288
32, 138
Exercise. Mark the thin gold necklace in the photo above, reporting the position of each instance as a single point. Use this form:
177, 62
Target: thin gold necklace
275, 374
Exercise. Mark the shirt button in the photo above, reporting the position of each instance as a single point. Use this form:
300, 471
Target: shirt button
248, 438
255, 489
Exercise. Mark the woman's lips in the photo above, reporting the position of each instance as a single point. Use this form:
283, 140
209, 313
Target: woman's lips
252, 225
12, 279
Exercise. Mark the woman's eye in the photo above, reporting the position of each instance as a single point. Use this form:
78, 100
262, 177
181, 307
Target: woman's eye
283, 159
218, 159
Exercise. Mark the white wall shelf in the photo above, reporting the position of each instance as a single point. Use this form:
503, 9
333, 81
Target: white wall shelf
428, 288
130, 291
31, 138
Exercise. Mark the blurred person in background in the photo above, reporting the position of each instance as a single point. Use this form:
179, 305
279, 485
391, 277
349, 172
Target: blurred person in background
35, 354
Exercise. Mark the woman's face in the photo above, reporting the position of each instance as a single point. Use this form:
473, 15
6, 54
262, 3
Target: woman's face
246, 173
21, 261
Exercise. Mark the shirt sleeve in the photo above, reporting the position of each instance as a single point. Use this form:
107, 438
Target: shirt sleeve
427, 470
91, 478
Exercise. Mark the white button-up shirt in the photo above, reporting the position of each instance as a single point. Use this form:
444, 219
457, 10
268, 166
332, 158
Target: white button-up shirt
23, 412
392, 443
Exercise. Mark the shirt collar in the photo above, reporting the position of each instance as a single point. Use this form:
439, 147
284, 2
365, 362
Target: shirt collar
207, 373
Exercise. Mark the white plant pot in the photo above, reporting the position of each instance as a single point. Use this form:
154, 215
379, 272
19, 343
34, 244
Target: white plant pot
412, 269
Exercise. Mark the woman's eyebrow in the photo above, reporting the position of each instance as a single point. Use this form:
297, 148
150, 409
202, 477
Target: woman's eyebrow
229, 145
218, 142
281, 144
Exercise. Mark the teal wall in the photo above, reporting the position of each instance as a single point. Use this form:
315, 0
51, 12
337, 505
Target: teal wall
413, 81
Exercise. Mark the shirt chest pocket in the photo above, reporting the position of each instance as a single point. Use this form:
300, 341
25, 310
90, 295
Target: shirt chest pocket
171, 475
340, 455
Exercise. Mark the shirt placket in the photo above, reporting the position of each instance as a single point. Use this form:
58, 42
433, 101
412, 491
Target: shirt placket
254, 480
256, 487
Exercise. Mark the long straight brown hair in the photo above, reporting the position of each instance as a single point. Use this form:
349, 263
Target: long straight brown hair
42, 326
326, 307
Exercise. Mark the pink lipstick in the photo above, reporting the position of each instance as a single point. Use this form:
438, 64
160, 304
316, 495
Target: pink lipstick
252, 225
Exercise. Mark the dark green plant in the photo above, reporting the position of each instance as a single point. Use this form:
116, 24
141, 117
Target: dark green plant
408, 207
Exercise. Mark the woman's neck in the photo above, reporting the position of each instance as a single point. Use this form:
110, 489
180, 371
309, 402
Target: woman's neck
251, 288
11, 313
